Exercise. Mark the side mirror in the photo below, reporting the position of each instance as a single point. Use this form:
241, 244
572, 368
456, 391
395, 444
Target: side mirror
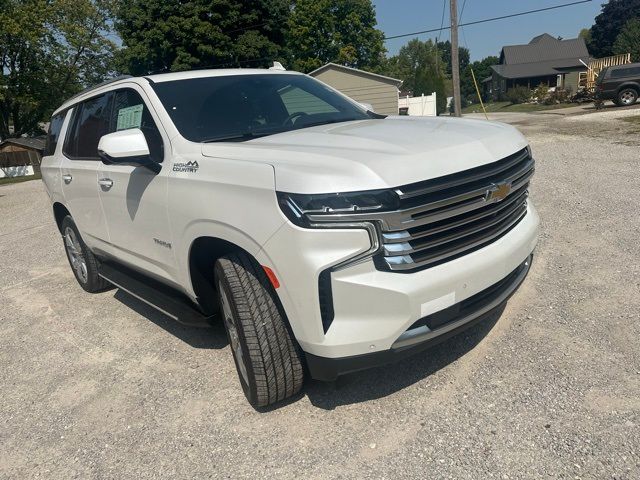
367, 106
127, 147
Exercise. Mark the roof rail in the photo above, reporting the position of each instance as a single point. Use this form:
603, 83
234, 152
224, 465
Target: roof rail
94, 87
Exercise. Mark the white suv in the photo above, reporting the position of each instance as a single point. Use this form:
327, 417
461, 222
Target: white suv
328, 238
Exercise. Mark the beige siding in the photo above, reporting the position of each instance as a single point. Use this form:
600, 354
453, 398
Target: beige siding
381, 95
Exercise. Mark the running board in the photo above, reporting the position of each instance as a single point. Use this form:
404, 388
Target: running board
164, 299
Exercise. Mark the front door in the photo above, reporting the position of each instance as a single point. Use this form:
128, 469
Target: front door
134, 198
89, 121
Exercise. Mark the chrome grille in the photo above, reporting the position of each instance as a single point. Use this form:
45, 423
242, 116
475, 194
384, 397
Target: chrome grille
444, 218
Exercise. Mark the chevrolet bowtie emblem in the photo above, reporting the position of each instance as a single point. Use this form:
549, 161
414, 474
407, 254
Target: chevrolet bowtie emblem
498, 192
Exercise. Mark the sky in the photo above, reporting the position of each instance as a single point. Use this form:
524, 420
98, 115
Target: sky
405, 16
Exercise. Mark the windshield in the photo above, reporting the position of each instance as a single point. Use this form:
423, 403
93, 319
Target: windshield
241, 107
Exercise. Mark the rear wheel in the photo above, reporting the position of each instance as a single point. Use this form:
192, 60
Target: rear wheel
627, 96
82, 261
266, 357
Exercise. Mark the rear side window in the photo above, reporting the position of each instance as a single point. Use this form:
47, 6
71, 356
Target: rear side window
90, 122
55, 125
130, 111
625, 72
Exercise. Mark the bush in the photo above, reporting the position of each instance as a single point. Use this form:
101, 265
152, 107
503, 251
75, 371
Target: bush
558, 96
541, 92
519, 94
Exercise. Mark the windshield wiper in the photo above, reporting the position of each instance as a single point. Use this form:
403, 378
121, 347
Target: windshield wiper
240, 137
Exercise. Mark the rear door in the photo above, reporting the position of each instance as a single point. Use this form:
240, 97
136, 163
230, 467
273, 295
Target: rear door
134, 198
89, 122
52, 156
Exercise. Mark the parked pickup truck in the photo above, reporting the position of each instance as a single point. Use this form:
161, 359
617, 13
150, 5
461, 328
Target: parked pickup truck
327, 238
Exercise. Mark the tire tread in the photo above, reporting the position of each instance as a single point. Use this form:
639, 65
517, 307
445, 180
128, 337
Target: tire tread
275, 359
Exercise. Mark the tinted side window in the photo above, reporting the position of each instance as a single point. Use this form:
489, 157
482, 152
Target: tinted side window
130, 111
55, 125
625, 72
90, 123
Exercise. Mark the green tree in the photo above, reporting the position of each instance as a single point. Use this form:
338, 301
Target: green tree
628, 41
173, 35
421, 67
467, 89
340, 31
482, 70
464, 57
585, 33
49, 49
608, 25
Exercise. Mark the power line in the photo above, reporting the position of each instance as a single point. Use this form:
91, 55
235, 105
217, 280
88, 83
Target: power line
464, 4
444, 8
490, 19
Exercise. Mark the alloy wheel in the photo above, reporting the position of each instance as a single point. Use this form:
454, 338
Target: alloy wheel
76, 257
627, 97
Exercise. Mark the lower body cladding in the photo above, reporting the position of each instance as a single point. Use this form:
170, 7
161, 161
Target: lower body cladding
380, 317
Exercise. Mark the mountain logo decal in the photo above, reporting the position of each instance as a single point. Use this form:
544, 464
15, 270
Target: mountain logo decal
188, 167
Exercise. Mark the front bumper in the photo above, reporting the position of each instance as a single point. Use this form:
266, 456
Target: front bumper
427, 331
373, 309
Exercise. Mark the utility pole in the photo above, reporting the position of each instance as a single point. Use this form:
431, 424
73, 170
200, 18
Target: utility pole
455, 62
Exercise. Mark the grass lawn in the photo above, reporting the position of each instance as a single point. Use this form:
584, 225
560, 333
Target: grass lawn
26, 178
509, 107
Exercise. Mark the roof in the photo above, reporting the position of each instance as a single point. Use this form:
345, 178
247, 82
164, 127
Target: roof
167, 77
216, 72
34, 143
543, 48
538, 69
543, 55
382, 78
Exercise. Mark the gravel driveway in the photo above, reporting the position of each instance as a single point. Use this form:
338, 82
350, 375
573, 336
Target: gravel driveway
101, 386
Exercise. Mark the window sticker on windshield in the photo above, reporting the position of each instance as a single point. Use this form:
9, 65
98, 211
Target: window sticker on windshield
129, 117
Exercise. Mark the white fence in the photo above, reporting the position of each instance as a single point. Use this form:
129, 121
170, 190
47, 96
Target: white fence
19, 171
423, 106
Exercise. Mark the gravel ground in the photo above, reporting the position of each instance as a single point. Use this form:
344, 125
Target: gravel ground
101, 386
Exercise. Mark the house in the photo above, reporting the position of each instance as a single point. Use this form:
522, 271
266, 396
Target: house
21, 156
377, 90
545, 59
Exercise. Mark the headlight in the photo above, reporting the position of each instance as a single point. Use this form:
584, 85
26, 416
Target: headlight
299, 207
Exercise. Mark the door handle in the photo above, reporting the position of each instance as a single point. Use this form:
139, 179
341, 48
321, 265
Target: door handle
67, 178
106, 183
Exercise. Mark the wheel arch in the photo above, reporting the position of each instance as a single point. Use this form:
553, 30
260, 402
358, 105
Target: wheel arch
635, 86
204, 251
59, 212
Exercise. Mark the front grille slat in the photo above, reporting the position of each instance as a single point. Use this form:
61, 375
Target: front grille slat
524, 172
419, 246
445, 218
459, 221
454, 180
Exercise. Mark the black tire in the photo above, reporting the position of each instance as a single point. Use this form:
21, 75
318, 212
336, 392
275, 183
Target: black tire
90, 282
627, 96
264, 347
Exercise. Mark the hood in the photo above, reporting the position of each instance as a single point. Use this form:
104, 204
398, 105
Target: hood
373, 154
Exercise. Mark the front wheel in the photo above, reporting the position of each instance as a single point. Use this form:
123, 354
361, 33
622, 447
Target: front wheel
266, 357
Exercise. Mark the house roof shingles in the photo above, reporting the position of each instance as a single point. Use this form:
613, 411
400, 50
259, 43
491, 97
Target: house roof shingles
382, 78
543, 55
35, 143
